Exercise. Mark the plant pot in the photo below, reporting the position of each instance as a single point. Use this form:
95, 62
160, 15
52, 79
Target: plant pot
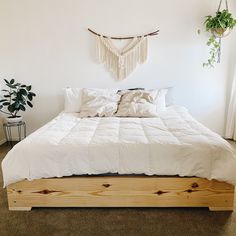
14, 119
221, 32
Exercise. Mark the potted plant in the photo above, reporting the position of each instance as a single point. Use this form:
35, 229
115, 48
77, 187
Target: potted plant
219, 26
15, 99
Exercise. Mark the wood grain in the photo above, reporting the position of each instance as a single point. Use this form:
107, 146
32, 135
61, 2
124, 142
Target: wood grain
121, 191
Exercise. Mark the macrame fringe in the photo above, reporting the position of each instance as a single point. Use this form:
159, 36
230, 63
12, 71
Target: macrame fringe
121, 62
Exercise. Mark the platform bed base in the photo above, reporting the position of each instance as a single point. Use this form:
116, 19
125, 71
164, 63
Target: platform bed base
121, 191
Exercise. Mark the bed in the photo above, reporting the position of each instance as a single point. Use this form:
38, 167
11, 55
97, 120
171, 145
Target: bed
166, 161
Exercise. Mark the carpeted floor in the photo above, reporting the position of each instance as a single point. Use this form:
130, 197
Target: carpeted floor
113, 221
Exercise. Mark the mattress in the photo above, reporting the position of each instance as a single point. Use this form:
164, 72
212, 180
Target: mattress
173, 143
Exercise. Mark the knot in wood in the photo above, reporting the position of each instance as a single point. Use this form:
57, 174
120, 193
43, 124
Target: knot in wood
106, 185
159, 192
195, 185
46, 191
189, 191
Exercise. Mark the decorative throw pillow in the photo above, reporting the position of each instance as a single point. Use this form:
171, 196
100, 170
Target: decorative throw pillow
138, 103
99, 102
163, 98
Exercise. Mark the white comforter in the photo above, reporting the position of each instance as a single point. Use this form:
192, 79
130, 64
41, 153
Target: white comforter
172, 144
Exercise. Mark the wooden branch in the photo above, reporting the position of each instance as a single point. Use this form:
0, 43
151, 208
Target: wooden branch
129, 37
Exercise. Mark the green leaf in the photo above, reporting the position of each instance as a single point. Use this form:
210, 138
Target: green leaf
22, 102
3, 100
30, 104
7, 96
16, 105
6, 103
22, 107
11, 108
12, 81
11, 86
28, 87
33, 94
19, 97
7, 81
23, 92
30, 97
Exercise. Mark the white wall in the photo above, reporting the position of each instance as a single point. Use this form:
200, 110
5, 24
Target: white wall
45, 43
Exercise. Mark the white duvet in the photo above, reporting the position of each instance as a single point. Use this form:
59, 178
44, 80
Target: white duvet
172, 144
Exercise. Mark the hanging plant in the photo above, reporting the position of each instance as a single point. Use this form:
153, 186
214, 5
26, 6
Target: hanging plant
218, 26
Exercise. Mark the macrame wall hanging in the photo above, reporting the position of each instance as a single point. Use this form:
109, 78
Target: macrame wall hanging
121, 62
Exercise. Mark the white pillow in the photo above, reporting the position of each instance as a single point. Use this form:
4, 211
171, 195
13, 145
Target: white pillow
72, 98
161, 99
99, 102
138, 103
170, 96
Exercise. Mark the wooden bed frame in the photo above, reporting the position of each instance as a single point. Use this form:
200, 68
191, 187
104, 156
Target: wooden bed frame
121, 191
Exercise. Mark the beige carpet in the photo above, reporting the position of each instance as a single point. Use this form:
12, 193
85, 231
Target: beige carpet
113, 221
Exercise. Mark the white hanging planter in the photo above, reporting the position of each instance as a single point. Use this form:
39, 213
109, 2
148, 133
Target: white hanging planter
221, 32
14, 119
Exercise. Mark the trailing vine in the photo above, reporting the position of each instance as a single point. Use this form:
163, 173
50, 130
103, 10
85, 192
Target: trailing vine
218, 26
